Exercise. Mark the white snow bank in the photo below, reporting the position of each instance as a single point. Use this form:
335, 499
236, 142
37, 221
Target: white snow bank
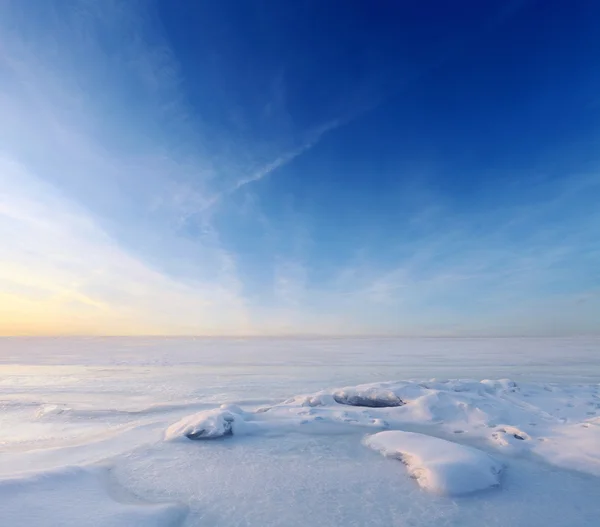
439, 466
556, 422
77, 497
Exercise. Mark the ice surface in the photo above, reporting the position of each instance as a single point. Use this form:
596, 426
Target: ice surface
77, 497
438, 465
83, 424
370, 397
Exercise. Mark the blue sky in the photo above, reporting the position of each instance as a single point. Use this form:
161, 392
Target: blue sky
247, 168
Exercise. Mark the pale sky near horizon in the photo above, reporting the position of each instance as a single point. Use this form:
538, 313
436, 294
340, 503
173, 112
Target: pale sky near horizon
265, 168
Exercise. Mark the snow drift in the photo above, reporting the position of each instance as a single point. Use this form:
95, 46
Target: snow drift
439, 466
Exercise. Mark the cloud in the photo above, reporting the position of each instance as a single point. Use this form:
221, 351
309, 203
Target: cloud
94, 192
313, 138
61, 273
106, 200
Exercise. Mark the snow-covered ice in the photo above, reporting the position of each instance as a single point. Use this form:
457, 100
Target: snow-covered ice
78, 497
558, 423
223, 432
438, 465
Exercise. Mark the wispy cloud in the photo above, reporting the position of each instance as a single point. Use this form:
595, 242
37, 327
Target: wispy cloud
313, 138
502, 270
61, 273
87, 246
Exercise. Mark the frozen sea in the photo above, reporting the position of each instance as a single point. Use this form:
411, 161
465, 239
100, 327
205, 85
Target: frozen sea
93, 432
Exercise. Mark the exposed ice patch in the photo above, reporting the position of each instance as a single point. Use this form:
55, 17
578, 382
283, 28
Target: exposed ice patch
370, 397
439, 466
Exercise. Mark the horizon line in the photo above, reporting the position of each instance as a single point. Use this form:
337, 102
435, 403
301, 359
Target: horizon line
297, 336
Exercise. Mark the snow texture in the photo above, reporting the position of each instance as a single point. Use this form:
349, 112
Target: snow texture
77, 497
558, 423
438, 465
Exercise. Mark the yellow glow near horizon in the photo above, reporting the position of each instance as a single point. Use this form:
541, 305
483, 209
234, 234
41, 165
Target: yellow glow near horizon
61, 274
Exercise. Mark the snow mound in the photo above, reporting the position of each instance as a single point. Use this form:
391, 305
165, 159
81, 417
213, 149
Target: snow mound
439, 466
208, 424
39, 499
